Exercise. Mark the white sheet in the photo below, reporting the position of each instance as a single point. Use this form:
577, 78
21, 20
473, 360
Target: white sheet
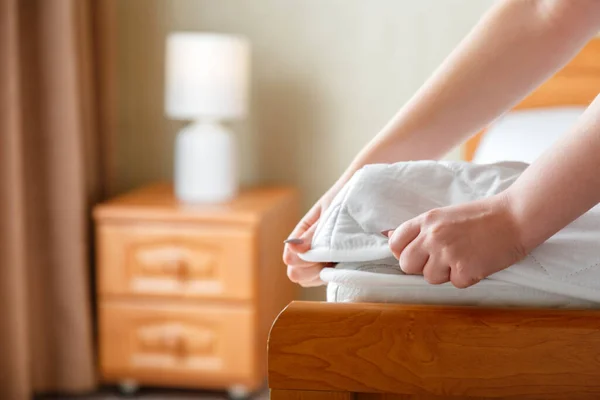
381, 197
385, 283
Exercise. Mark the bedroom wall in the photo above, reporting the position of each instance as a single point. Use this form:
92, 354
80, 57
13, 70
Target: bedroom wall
327, 75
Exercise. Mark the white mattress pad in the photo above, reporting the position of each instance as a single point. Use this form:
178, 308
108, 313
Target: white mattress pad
565, 270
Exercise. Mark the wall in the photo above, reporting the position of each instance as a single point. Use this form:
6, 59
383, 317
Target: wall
327, 75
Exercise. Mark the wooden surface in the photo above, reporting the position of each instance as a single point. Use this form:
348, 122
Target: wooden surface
432, 350
187, 294
157, 203
309, 395
577, 84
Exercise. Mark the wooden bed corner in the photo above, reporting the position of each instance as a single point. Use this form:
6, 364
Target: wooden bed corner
342, 351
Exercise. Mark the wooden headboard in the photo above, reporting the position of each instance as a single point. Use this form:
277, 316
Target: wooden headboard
577, 84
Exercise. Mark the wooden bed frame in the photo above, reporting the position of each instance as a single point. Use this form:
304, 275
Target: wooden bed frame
340, 351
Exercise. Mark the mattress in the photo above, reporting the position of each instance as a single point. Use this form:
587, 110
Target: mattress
562, 272
386, 283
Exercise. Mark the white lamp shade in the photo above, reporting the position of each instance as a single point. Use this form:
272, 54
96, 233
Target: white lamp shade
206, 76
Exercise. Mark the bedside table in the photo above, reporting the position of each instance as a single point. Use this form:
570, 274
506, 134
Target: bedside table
187, 293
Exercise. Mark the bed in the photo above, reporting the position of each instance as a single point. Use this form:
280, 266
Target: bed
370, 351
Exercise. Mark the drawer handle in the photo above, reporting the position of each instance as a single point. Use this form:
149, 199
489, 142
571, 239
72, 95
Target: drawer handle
175, 343
179, 268
176, 339
175, 260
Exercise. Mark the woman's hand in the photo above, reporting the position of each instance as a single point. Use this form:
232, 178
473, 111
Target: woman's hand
299, 271
460, 244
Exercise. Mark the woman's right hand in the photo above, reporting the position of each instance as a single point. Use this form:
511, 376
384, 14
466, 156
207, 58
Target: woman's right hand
302, 272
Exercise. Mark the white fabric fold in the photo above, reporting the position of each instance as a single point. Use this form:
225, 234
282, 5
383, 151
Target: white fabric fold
383, 196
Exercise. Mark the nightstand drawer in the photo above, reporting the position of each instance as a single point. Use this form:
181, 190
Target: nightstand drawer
177, 345
180, 261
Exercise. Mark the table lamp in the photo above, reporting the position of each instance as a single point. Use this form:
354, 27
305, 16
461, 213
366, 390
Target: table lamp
206, 83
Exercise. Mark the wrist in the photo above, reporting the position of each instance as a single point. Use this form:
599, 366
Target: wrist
512, 207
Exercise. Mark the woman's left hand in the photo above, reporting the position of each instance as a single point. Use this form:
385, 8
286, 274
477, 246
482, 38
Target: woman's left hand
461, 244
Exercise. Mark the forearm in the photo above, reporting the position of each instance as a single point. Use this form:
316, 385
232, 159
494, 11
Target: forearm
514, 48
561, 185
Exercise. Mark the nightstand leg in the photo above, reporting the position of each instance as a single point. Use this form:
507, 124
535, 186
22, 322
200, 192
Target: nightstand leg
128, 387
238, 392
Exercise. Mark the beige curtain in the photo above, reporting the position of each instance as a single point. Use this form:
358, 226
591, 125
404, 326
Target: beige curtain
55, 124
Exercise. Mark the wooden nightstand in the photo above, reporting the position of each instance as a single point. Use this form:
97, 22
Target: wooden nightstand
187, 293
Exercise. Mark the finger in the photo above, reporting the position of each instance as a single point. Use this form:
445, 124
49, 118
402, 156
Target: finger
298, 237
436, 272
314, 283
413, 258
461, 279
290, 257
318, 281
402, 236
304, 274
309, 219
305, 240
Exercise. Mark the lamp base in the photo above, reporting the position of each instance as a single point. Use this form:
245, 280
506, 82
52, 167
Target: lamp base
205, 164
